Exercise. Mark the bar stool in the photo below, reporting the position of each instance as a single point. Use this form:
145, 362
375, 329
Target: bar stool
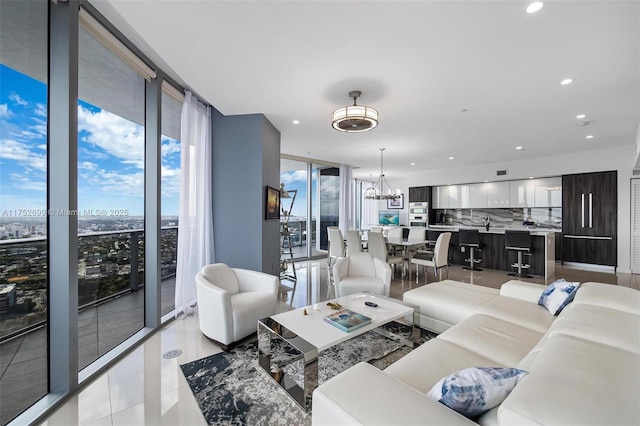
519, 241
470, 238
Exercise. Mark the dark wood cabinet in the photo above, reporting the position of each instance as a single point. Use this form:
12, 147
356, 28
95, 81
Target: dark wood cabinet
420, 194
590, 218
495, 256
589, 250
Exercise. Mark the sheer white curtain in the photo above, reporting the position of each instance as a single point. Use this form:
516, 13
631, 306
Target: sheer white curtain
345, 207
369, 208
195, 223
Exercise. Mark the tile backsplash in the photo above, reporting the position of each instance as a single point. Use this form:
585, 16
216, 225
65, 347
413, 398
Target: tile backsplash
537, 217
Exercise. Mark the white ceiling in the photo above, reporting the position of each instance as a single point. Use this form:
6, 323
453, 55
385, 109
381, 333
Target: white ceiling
420, 63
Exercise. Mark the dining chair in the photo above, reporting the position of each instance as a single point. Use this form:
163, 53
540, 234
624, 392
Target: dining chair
378, 249
335, 250
354, 242
395, 234
417, 240
376, 229
437, 260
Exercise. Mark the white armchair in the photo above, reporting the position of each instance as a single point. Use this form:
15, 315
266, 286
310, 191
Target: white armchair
361, 272
232, 300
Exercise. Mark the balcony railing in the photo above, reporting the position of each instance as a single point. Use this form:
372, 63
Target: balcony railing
108, 294
105, 264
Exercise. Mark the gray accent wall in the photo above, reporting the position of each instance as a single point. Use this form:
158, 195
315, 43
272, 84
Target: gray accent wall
246, 158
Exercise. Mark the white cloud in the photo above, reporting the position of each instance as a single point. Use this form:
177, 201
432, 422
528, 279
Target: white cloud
40, 110
26, 184
18, 100
115, 182
93, 154
20, 152
25, 135
5, 112
40, 127
330, 189
87, 165
42, 147
295, 176
170, 181
170, 146
115, 135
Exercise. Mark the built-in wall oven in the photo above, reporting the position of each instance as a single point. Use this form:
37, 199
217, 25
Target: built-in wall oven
418, 213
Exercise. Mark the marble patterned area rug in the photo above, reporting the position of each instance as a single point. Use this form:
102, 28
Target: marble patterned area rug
232, 390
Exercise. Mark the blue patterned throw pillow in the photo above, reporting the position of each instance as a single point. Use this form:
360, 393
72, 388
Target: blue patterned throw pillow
557, 295
474, 390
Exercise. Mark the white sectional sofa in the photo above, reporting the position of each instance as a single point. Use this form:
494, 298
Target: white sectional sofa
584, 364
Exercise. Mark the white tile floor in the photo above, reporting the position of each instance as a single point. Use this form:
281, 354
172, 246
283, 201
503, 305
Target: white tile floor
146, 389
143, 388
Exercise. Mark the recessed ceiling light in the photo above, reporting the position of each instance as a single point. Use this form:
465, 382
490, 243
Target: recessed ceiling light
296, 121
486, 181
520, 148
413, 164
589, 137
534, 7
580, 116
450, 158
566, 81
530, 177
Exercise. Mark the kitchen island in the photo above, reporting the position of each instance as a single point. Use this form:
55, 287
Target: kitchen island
494, 255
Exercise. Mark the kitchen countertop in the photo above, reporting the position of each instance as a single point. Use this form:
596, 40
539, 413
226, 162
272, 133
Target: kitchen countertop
482, 230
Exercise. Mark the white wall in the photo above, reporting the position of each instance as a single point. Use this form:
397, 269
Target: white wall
621, 159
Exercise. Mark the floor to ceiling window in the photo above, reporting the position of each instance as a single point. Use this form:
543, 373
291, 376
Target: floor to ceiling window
117, 94
294, 176
111, 147
315, 206
170, 198
328, 200
23, 205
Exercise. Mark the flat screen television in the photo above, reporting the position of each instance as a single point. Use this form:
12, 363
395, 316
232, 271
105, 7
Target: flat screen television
388, 217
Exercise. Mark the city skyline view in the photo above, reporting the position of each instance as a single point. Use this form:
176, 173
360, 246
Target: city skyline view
110, 156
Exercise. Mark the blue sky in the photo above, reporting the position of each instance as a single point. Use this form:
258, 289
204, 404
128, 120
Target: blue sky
110, 154
297, 179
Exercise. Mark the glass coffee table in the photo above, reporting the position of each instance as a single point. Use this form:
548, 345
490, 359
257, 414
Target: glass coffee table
298, 337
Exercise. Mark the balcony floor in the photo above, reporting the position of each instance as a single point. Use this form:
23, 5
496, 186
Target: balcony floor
23, 360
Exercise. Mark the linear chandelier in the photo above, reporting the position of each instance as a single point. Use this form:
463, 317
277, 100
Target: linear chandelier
378, 191
354, 118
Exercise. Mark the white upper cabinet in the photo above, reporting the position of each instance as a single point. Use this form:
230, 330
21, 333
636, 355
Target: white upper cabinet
440, 197
522, 193
497, 195
545, 192
478, 195
455, 196
548, 192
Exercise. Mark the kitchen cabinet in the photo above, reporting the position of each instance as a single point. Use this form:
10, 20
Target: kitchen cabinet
478, 195
548, 192
455, 196
440, 197
521, 193
590, 218
497, 194
420, 194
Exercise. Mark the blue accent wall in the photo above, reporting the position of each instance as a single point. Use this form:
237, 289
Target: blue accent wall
246, 158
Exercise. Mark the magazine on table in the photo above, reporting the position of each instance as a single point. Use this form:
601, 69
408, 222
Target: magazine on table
347, 320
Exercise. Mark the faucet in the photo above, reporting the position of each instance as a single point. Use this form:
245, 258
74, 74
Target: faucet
487, 222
